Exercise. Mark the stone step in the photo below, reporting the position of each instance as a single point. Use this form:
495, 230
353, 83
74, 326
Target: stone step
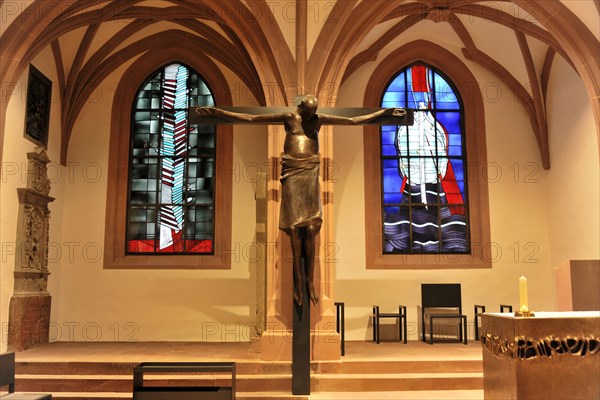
110, 368
398, 395
124, 383
257, 383
262, 368
404, 395
269, 396
120, 396
90, 396
397, 382
398, 367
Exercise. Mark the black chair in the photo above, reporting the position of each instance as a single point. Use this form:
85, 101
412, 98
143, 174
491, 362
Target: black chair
400, 316
7, 377
505, 307
340, 325
478, 311
441, 296
481, 309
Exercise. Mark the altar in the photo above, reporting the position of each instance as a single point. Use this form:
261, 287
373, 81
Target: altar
553, 355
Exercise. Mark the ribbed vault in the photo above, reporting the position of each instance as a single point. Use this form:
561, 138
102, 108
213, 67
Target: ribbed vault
244, 36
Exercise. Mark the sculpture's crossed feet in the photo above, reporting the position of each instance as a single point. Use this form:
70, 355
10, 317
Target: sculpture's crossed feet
311, 292
298, 296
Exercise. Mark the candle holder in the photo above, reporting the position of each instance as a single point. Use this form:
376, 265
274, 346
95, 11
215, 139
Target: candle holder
524, 314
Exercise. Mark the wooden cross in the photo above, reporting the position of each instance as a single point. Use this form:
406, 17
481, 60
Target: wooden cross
300, 215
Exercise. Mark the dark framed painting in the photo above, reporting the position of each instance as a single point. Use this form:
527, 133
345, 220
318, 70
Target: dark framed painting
37, 113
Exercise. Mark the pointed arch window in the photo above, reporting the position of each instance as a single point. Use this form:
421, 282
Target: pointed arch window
172, 164
423, 167
432, 155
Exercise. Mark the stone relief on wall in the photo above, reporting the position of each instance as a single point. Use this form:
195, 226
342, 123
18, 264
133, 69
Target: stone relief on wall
37, 172
33, 256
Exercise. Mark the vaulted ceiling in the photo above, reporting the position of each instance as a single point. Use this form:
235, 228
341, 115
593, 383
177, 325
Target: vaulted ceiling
270, 45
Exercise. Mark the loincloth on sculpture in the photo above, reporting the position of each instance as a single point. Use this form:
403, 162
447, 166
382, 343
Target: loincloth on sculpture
300, 194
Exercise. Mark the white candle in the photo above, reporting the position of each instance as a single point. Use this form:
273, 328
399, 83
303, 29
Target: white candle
523, 294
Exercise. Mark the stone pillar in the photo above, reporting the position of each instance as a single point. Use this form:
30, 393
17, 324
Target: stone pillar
261, 256
29, 309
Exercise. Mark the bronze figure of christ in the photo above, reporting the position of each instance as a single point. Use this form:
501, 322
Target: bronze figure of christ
300, 212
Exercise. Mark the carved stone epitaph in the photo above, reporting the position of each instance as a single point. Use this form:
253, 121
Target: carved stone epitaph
29, 310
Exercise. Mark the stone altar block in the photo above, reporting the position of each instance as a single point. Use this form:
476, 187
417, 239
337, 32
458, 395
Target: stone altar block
554, 355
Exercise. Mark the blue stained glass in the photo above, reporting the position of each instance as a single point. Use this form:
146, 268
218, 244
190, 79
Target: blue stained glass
392, 198
394, 98
446, 105
444, 95
450, 121
457, 165
454, 139
388, 150
399, 234
461, 186
409, 80
387, 163
390, 104
391, 210
415, 98
388, 135
455, 150
391, 181
397, 85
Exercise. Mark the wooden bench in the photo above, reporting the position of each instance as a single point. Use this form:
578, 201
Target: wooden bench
142, 392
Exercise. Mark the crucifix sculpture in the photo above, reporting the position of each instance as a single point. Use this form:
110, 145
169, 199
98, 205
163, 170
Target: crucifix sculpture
300, 213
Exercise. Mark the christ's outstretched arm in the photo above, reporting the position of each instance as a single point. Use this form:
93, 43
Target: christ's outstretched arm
361, 119
241, 117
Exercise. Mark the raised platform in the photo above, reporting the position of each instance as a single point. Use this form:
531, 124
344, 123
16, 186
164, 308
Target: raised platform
368, 371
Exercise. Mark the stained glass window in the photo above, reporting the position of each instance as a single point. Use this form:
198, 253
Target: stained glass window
424, 199
171, 167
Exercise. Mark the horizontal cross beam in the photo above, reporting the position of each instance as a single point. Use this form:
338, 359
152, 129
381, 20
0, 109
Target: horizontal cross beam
406, 119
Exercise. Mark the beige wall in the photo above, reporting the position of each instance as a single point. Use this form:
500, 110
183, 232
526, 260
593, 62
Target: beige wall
574, 215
